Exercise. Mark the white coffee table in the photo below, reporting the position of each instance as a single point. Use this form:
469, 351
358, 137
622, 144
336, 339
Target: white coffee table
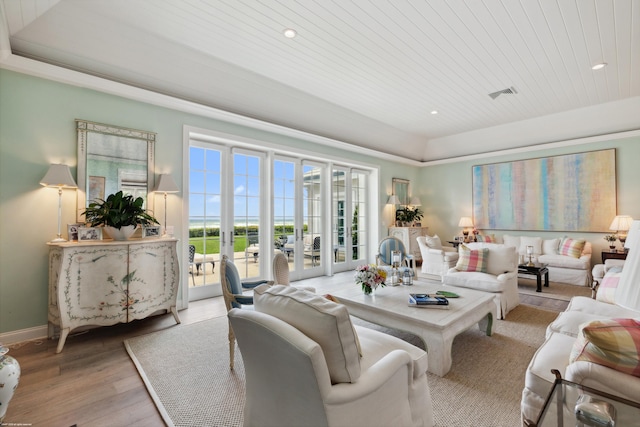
436, 327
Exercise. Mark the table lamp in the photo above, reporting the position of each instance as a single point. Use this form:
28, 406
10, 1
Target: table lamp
59, 176
466, 223
621, 225
166, 184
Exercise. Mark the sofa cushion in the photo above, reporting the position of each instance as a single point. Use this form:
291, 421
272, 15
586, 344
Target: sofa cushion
501, 258
552, 354
612, 343
536, 242
571, 247
486, 238
550, 246
472, 260
607, 289
322, 320
433, 242
475, 280
511, 241
564, 261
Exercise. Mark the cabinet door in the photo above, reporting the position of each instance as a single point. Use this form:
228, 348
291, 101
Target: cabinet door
92, 286
153, 278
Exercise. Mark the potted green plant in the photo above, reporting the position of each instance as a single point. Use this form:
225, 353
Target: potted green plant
407, 216
120, 215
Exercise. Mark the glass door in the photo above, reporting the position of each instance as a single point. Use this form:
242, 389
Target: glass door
313, 225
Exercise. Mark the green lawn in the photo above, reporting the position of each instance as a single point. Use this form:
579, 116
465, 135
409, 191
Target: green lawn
213, 244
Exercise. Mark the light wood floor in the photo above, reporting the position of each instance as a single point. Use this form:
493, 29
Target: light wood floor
93, 381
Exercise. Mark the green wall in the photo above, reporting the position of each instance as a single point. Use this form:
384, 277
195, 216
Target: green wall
446, 191
37, 128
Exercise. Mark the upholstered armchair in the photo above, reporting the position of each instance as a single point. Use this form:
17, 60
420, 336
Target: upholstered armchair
488, 267
306, 364
384, 256
436, 259
281, 272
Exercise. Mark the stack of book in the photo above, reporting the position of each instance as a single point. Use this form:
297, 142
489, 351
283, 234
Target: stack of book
428, 301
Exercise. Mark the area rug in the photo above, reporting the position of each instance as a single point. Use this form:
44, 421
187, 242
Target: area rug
559, 291
186, 369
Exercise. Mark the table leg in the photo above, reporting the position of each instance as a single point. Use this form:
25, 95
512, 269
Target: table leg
486, 324
538, 282
546, 279
439, 353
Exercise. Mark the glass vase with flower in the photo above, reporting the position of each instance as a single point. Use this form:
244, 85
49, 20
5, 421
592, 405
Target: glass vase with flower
370, 277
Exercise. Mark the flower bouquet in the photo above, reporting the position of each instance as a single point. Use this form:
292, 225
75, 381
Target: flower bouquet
370, 277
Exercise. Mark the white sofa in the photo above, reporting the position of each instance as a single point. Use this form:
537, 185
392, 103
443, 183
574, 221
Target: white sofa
500, 279
562, 268
436, 258
616, 299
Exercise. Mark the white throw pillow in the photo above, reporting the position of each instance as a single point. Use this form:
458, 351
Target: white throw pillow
501, 258
550, 246
513, 241
433, 242
324, 321
536, 242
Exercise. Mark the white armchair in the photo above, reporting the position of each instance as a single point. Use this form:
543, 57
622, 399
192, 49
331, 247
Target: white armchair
436, 259
303, 366
499, 275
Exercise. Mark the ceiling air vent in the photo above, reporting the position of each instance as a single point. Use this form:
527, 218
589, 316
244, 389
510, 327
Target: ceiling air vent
508, 91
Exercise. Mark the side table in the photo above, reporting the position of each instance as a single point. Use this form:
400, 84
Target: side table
560, 407
537, 270
613, 255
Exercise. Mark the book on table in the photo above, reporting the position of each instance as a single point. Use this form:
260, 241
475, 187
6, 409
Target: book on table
428, 301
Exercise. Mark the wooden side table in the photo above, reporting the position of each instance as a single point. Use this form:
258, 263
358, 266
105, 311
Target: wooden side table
613, 255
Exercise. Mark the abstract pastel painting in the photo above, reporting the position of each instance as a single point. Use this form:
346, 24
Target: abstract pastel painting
574, 192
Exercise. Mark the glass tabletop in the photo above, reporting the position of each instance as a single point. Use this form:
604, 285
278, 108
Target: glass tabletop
571, 404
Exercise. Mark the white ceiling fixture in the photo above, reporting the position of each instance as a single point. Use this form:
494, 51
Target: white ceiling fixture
599, 66
434, 112
508, 91
290, 33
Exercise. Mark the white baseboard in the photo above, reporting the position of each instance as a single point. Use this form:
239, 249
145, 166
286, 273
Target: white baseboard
35, 333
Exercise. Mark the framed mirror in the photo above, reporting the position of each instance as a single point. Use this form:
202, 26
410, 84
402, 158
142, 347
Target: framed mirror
112, 158
400, 188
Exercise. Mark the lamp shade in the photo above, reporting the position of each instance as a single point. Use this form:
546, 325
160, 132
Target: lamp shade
415, 201
465, 222
393, 200
621, 223
166, 184
634, 235
58, 176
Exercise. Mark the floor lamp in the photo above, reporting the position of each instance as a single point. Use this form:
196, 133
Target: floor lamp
166, 184
59, 176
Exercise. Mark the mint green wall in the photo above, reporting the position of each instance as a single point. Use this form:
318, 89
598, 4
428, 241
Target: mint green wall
447, 194
37, 128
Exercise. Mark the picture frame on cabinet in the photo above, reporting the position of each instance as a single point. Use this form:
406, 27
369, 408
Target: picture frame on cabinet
72, 231
89, 233
151, 232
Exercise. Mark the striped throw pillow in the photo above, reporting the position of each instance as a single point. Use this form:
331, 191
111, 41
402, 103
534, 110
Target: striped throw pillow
486, 238
571, 247
608, 286
471, 259
613, 343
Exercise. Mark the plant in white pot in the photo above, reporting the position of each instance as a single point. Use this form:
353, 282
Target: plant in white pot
120, 215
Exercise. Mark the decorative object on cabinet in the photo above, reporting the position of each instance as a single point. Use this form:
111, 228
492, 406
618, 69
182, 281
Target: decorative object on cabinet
120, 214
621, 225
9, 379
105, 283
112, 158
151, 231
89, 233
408, 236
407, 216
166, 184
72, 231
59, 176
467, 225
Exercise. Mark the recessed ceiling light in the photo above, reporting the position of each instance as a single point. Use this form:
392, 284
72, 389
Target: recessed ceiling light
599, 66
434, 112
289, 33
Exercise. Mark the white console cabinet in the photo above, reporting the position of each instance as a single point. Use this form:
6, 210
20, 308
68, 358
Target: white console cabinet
107, 282
408, 235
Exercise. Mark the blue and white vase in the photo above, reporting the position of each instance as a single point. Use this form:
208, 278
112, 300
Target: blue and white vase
9, 378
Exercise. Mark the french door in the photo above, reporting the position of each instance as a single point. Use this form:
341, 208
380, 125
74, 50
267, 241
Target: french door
226, 196
350, 222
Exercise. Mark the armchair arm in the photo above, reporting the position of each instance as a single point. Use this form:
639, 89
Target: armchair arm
510, 275
252, 284
243, 299
374, 378
604, 378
